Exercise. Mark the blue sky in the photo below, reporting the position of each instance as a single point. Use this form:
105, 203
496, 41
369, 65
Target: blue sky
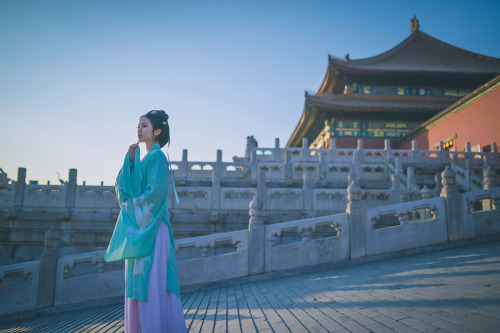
76, 75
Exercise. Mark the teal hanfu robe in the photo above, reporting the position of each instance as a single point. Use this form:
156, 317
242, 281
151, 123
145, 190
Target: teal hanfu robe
141, 189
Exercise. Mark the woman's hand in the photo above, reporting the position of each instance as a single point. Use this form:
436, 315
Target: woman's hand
131, 151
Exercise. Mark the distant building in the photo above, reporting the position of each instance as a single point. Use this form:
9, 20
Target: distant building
474, 119
391, 94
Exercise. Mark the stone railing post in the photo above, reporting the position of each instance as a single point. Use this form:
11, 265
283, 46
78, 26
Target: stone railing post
323, 169
356, 221
277, 156
439, 184
494, 154
399, 166
414, 151
305, 154
442, 153
71, 189
254, 165
216, 192
48, 266
184, 165
19, 187
450, 192
262, 188
256, 237
426, 193
396, 189
410, 178
333, 150
388, 151
468, 155
251, 145
486, 161
490, 181
490, 178
356, 166
308, 194
361, 151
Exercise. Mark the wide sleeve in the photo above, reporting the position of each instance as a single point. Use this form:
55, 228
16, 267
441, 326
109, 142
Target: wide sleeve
141, 212
128, 181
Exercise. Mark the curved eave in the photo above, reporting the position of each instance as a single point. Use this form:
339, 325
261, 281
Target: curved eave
366, 105
306, 121
330, 80
346, 69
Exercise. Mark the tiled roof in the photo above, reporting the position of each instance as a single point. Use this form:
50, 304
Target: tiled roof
421, 53
337, 102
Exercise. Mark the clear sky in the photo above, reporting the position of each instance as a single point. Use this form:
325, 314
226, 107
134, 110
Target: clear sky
76, 75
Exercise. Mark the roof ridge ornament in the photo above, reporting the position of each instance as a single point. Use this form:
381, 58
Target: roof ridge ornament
415, 26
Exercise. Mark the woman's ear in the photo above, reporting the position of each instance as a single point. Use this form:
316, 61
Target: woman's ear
157, 132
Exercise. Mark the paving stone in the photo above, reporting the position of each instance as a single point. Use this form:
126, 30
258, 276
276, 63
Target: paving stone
455, 290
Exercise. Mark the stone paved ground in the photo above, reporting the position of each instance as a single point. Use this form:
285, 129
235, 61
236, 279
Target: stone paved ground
455, 290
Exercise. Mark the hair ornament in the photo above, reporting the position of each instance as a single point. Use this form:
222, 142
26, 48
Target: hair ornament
158, 113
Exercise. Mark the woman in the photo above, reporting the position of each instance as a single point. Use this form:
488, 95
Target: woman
143, 235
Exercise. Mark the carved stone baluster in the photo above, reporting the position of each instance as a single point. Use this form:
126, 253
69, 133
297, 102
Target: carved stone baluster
404, 217
426, 193
204, 250
490, 178
66, 270
306, 234
100, 265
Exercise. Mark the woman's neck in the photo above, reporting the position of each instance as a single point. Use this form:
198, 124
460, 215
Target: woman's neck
150, 145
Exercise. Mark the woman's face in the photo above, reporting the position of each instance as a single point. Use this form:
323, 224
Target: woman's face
144, 130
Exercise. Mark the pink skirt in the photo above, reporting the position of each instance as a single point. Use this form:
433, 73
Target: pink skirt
163, 310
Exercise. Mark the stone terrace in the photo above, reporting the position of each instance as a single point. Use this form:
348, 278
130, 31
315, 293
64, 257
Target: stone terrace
455, 290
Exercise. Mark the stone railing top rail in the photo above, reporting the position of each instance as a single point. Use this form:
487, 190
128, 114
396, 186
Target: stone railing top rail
493, 193
25, 267
45, 188
234, 237
96, 188
405, 207
336, 220
92, 257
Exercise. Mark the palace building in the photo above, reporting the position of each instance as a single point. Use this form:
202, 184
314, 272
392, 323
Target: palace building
473, 121
389, 95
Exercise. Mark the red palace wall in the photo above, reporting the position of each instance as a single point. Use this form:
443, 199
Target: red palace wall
477, 123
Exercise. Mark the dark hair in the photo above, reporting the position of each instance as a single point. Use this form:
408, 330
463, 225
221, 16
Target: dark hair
159, 120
